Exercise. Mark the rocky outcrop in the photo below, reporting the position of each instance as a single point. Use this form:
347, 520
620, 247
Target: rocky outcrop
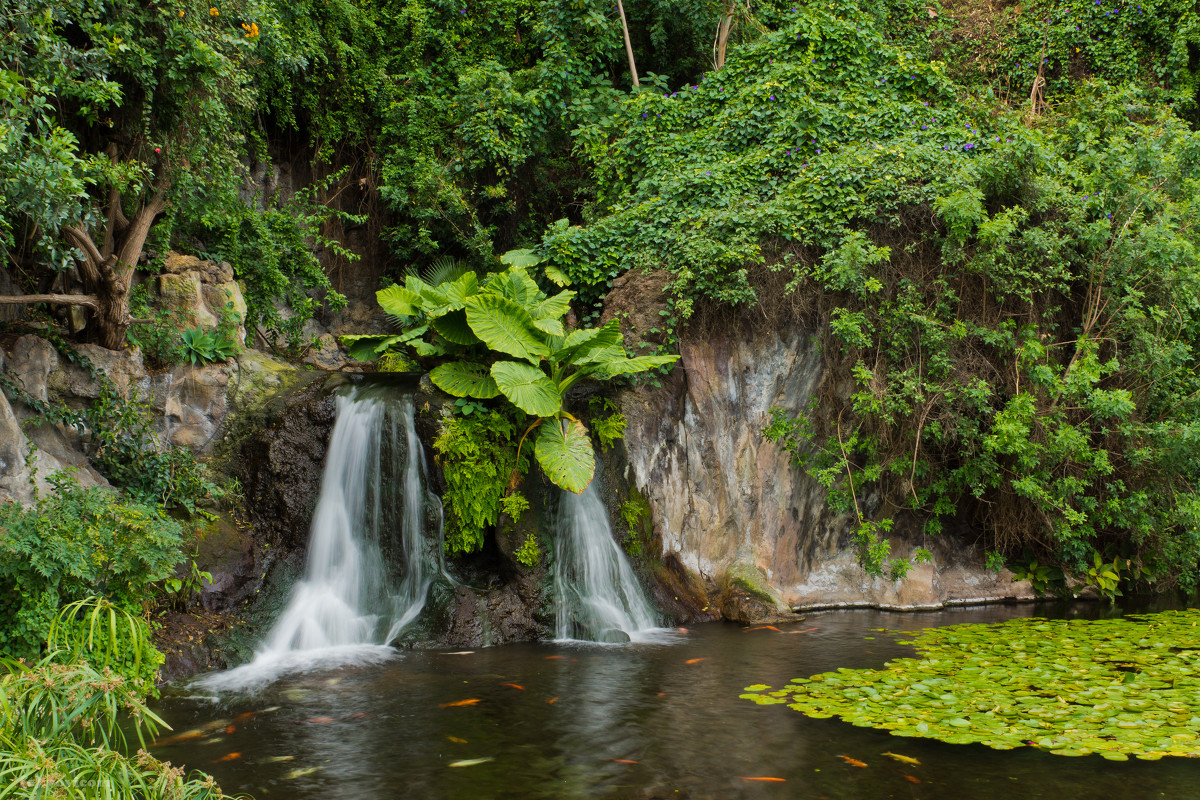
199, 292
733, 510
282, 465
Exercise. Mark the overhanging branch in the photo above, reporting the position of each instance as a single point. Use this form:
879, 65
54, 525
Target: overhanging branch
88, 300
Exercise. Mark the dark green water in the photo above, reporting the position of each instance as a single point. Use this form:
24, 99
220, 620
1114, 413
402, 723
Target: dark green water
380, 732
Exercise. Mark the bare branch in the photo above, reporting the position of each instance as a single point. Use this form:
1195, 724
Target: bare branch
88, 300
92, 259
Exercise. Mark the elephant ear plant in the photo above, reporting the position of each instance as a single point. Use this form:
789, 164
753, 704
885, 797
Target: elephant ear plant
505, 336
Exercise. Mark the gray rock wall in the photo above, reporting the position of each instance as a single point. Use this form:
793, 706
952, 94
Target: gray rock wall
730, 506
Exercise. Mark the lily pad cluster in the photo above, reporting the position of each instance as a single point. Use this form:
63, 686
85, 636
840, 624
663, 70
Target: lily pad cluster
1116, 688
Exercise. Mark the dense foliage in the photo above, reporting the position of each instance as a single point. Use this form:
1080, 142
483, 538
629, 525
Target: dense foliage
478, 456
126, 123
1117, 687
1009, 285
75, 543
63, 727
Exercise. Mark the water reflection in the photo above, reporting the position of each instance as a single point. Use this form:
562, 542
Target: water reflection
564, 721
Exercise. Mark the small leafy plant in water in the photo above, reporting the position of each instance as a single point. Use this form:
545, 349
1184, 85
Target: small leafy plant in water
1117, 688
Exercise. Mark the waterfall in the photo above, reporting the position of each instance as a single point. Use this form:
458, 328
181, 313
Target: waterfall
597, 595
370, 512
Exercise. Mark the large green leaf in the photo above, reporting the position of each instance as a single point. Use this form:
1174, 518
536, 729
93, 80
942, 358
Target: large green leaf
399, 301
368, 347
552, 327
464, 379
528, 388
557, 276
431, 349
581, 343
516, 285
628, 366
521, 258
564, 450
454, 328
505, 326
553, 307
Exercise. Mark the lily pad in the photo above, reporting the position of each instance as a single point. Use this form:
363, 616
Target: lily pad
1115, 688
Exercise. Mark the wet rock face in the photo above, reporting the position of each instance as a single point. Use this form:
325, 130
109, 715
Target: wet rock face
733, 510
489, 617
282, 466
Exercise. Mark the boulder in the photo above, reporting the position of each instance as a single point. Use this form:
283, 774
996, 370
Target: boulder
182, 294
31, 362
124, 368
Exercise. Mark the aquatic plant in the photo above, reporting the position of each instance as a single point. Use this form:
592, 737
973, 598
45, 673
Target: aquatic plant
1117, 687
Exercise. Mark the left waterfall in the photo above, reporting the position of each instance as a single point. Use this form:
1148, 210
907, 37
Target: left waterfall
370, 515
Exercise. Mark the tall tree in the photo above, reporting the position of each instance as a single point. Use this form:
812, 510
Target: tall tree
115, 113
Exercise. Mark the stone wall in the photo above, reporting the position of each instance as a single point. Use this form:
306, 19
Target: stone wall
731, 508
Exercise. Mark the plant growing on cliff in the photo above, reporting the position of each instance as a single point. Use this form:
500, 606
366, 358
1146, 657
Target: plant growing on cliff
477, 455
203, 346
506, 337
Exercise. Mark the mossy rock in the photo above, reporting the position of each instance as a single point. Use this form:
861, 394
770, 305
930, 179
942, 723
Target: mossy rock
746, 595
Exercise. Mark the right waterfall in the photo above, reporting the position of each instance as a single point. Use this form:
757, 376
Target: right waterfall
596, 592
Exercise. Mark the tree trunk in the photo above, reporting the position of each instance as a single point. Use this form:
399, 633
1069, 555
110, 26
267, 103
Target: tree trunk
721, 40
108, 273
628, 44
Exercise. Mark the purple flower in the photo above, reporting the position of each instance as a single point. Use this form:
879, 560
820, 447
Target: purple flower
772, 97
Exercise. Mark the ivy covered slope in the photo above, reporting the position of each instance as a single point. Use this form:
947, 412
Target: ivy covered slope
1011, 282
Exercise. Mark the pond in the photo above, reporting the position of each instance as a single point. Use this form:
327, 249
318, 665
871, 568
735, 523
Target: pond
647, 720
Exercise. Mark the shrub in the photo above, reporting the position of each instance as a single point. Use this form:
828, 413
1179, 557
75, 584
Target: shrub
75, 543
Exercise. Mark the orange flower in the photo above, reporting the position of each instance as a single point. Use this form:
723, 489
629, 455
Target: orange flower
212, 12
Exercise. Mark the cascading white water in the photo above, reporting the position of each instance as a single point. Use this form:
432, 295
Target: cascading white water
597, 595
372, 500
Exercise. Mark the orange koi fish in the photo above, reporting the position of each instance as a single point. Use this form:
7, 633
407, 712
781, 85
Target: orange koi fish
458, 703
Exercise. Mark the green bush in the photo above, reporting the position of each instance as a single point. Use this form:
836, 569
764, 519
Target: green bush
75, 543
